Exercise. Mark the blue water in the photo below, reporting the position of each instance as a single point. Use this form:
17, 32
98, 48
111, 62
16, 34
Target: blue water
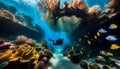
29, 7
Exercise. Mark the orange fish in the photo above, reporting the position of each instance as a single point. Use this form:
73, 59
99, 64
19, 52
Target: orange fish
115, 47
109, 54
113, 26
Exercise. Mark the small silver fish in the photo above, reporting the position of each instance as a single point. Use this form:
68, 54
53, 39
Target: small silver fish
102, 30
111, 38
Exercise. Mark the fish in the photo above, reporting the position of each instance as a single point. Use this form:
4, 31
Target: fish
102, 30
89, 42
115, 47
109, 54
113, 26
102, 52
95, 37
106, 53
98, 33
101, 58
111, 38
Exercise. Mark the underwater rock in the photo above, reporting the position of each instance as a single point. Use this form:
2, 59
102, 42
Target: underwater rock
75, 57
93, 66
105, 67
84, 65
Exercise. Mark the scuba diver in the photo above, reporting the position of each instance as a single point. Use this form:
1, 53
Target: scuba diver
57, 42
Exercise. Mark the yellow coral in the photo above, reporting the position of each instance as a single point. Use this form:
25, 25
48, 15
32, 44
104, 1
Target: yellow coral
24, 53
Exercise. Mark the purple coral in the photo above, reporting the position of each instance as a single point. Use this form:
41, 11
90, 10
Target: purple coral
45, 59
21, 39
30, 42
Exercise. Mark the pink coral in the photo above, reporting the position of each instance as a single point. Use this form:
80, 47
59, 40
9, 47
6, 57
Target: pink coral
21, 39
30, 42
4, 45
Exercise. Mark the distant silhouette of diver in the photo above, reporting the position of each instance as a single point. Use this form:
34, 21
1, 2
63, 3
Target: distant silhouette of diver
57, 42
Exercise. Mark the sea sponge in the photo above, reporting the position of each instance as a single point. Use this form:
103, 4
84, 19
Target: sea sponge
21, 39
30, 42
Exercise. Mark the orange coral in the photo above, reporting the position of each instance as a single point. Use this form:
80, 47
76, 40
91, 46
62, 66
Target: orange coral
25, 53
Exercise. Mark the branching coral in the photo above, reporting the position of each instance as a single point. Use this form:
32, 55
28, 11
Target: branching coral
25, 53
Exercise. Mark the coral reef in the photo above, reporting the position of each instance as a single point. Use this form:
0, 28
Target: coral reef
4, 44
25, 40
21, 39
30, 42
24, 56
25, 53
